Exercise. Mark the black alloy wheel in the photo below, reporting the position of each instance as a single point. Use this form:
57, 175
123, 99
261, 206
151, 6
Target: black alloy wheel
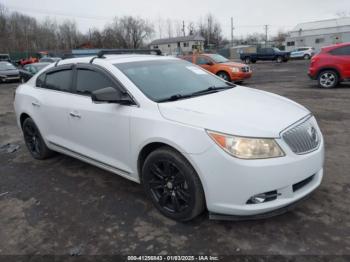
34, 141
172, 184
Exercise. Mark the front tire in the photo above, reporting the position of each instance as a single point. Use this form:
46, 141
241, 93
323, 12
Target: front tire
34, 141
247, 60
173, 185
328, 79
307, 57
224, 76
279, 59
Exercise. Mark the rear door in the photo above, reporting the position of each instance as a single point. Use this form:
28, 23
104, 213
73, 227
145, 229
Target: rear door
100, 131
53, 98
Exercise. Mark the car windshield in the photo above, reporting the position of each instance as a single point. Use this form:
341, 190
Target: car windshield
6, 66
40, 66
218, 58
276, 49
162, 80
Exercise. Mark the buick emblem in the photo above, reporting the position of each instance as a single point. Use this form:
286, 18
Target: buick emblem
313, 134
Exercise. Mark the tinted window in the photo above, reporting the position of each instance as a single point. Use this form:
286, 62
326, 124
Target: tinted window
160, 80
341, 51
40, 80
202, 60
59, 80
89, 81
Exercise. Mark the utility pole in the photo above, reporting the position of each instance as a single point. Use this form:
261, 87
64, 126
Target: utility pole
209, 29
183, 28
266, 34
232, 28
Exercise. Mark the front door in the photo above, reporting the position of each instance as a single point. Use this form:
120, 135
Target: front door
204, 62
100, 130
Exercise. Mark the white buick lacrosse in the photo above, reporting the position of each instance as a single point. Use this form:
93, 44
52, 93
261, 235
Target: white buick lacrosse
194, 141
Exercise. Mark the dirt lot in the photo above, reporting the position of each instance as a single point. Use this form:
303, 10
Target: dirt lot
64, 206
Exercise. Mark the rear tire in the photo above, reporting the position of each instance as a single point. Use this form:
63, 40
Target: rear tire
34, 141
172, 185
328, 79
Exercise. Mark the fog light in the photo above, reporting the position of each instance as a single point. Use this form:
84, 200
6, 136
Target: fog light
263, 198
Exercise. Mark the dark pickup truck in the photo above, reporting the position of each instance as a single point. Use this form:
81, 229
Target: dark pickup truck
266, 54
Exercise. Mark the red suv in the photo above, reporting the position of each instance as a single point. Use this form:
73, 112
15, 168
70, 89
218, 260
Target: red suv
331, 66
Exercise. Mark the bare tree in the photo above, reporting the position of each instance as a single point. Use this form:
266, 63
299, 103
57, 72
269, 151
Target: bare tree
169, 27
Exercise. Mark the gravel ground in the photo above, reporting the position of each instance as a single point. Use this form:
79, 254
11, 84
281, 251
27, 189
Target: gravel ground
65, 206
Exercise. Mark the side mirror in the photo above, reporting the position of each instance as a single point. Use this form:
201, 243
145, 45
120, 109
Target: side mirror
111, 95
210, 63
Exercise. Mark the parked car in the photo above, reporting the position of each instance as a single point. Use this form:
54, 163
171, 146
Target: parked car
303, 53
331, 66
25, 61
30, 70
48, 59
193, 140
8, 72
221, 66
266, 54
5, 57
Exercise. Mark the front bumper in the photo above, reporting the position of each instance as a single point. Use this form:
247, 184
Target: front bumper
9, 78
270, 214
229, 182
240, 76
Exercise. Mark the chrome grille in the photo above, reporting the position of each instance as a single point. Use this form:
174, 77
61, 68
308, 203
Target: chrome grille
246, 69
303, 138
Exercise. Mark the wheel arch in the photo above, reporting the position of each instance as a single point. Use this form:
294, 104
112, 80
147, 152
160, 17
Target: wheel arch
329, 68
22, 118
151, 147
221, 70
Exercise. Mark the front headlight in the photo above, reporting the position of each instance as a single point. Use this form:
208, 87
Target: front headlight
235, 69
247, 148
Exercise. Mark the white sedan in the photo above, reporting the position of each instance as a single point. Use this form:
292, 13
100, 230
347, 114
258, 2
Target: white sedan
194, 141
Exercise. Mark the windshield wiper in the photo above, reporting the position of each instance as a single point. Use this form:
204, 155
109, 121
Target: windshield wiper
209, 90
174, 98
212, 89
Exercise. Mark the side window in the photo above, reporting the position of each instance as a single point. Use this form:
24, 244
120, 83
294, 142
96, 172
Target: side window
59, 80
341, 51
202, 60
40, 81
89, 81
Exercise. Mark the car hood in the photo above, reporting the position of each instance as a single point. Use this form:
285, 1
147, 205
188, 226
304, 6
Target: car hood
9, 72
233, 64
239, 111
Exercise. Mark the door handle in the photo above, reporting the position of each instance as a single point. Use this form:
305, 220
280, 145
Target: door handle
74, 115
36, 104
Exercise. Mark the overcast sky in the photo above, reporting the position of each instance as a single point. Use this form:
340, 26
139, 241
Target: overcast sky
249, 16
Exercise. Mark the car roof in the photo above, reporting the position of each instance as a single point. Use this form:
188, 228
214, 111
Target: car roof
116, 59
331, 47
